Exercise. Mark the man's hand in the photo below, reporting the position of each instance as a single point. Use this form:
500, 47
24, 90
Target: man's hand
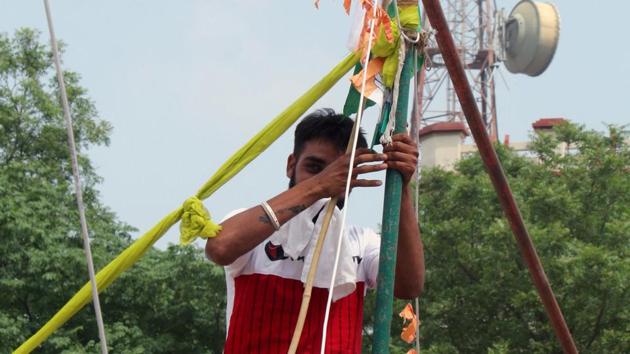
402, 155
332, 180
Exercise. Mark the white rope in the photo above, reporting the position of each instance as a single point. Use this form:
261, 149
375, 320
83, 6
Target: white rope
416, 198
77, 180
349, 178
386, 138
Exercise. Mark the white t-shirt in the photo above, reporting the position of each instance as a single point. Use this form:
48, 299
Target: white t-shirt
361, 248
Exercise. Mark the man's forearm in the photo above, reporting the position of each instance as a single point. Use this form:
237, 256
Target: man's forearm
244, 231
410, 255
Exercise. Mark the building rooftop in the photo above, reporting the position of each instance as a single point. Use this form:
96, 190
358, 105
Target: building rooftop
548, 123
443, 127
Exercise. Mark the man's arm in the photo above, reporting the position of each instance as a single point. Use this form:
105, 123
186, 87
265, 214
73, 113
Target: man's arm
409, 281
244, 231
402, 155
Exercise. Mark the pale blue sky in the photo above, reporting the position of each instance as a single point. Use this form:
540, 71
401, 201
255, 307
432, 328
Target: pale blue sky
185, 83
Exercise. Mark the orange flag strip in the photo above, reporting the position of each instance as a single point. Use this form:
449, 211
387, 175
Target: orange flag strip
346, 5
409, 331
373, 68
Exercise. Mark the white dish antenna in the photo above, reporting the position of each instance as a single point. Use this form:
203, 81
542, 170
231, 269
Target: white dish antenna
530, 37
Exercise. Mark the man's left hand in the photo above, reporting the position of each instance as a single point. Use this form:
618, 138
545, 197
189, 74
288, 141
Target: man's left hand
402, 155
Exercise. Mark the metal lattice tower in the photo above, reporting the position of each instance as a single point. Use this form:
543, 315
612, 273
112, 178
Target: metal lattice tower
474, 27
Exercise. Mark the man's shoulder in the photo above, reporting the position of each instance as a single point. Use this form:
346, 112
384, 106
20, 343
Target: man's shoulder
367, 238
362, 230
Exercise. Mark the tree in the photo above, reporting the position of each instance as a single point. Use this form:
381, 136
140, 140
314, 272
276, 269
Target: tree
170, 302
479, 296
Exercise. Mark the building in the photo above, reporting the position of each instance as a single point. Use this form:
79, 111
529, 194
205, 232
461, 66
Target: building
442, 144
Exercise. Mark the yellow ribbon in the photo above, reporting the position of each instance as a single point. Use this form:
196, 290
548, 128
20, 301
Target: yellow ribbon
388, 50
196, 222
409, 17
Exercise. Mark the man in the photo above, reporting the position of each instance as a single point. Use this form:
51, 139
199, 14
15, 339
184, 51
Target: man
267, 248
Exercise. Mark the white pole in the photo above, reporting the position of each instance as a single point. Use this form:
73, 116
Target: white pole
77, 180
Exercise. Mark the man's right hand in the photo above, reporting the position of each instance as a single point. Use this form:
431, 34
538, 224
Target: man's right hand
244, 231
332, 180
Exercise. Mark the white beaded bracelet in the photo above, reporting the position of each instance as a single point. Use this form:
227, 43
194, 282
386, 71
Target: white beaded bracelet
271, 215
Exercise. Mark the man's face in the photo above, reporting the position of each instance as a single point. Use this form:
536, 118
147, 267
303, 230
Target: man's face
315, 156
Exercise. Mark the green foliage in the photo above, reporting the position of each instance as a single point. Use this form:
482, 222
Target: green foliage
172, 301
479, 296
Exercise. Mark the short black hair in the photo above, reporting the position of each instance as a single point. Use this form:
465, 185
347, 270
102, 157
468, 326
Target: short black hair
327, 125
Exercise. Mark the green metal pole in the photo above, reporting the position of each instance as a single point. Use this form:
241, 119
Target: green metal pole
391, 221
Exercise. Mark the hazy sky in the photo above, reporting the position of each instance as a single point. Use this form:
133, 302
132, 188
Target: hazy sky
185, 83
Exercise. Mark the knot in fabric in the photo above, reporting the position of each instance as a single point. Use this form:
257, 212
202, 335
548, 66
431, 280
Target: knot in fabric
196, 222
386, 47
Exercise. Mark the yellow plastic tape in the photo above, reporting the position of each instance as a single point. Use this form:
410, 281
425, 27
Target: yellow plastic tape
231, 167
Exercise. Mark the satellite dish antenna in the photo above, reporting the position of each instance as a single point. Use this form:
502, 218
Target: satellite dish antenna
530, 37
486, 38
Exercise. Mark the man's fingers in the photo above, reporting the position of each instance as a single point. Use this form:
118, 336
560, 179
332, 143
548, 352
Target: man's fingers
369, 168
400, 146
369, 157
403, 137
366, 183
361, 151
400, 156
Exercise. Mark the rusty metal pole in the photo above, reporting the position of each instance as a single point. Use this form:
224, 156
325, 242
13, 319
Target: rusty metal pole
466, 98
